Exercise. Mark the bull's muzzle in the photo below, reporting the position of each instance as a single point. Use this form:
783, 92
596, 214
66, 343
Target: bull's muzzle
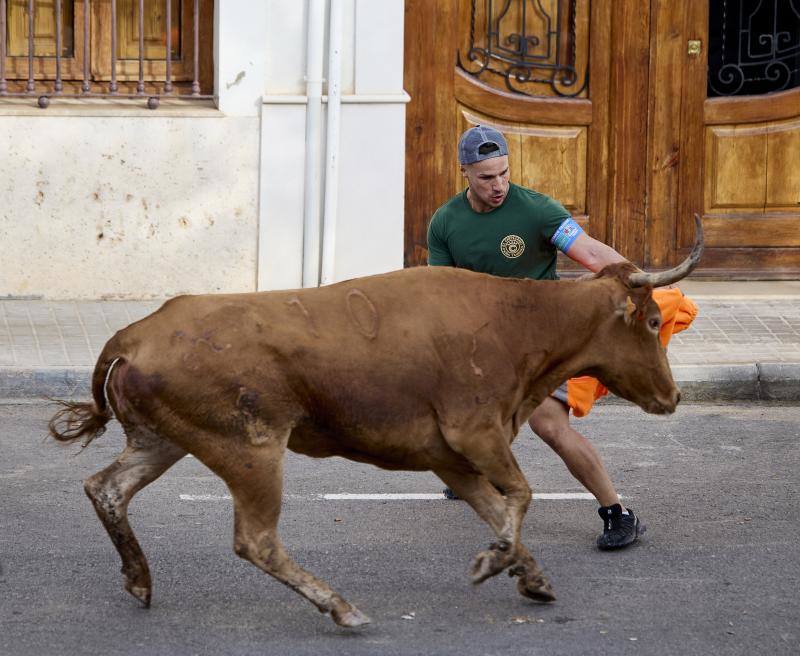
662, 405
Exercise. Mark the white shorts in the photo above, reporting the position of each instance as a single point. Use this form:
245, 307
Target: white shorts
560, 393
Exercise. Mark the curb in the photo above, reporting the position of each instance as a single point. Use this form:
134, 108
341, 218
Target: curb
43, 383
724, 383
767, 381
759, 381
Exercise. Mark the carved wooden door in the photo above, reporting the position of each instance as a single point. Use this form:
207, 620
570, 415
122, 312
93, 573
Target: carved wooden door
522, 67
741, 138
611, 108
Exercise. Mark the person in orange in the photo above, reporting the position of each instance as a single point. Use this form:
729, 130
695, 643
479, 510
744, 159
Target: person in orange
497, 227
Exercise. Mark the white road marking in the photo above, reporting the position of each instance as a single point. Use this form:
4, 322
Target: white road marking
205, 497
409, 496
564, 495
439, 495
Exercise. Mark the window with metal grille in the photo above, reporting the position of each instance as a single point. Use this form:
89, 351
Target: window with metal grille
530, 47
754, 46
106, 48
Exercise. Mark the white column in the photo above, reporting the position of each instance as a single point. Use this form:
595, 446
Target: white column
332, 143
369, 233
283, 147
368, 197
240, 53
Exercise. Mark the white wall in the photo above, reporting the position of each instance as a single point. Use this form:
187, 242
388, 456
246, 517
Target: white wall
101, 200
127, 206
107, 199
369, 234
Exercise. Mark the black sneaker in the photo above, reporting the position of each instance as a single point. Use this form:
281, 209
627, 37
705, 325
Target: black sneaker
619, 530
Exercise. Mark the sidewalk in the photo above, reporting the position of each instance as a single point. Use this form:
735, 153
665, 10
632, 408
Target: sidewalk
744, 344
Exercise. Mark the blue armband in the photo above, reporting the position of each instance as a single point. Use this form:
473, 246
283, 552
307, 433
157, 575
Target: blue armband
567, 233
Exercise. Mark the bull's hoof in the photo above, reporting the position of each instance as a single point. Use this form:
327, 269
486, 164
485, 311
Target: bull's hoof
143, 594
488, 564
536, 587
351, 618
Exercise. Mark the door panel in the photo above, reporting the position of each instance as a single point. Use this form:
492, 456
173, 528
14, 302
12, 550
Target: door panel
735, 158
44, 28
753, 168
783, 166
154, 21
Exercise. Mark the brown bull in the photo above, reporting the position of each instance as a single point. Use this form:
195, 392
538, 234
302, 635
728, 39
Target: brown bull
422, 369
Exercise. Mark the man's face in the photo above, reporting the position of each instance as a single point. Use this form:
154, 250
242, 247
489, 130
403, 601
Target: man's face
488, 182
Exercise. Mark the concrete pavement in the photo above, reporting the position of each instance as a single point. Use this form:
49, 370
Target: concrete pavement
744, 344
716, 573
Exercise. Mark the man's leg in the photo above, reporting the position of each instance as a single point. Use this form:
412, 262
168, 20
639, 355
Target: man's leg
550, 421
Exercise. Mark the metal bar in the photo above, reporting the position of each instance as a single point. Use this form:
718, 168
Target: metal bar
58, 86
168, 81
113, 85
140, 85
573, 36
128, 96
85, 87
489, 33
330, 212
3, 85
30, 86
195, 81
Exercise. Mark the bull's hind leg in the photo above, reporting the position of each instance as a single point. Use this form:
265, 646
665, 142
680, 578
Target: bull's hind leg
490, 506
254, 476
145, 458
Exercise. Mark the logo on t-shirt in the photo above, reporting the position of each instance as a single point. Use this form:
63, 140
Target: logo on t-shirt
512, 246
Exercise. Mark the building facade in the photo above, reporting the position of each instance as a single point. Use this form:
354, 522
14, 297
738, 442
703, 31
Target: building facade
240, 179
290, 143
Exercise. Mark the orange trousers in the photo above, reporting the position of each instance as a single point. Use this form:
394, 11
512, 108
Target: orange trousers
677, 314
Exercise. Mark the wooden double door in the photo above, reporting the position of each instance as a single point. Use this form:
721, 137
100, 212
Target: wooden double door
608, 107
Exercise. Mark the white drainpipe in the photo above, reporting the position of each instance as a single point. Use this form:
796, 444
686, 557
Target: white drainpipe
332, 143
311, 200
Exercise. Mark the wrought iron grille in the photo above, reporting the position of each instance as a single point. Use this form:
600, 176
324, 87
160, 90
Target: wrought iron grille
66, 79
754, 46
528, 43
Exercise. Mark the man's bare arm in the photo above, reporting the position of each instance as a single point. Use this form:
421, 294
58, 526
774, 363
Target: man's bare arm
592, 254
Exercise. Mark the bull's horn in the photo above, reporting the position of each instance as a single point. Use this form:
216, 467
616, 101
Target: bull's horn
640, 279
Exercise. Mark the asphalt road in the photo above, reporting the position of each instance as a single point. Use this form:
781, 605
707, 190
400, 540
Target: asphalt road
716, 573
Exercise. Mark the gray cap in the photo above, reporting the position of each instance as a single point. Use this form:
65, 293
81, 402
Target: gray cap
469, 145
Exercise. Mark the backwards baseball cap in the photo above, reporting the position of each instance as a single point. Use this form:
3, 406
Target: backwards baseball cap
479, 143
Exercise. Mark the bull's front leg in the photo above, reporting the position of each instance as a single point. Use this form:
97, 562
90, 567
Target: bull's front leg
505, 553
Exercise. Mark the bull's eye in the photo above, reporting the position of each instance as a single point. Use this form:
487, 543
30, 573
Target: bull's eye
654, 324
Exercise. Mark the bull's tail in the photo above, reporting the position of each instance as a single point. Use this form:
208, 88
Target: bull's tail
78, 420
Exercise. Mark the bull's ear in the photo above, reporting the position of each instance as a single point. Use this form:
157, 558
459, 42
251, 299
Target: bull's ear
627, 310
633, 307
630, 310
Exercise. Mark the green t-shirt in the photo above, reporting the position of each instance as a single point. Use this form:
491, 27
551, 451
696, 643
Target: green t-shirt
513, 240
